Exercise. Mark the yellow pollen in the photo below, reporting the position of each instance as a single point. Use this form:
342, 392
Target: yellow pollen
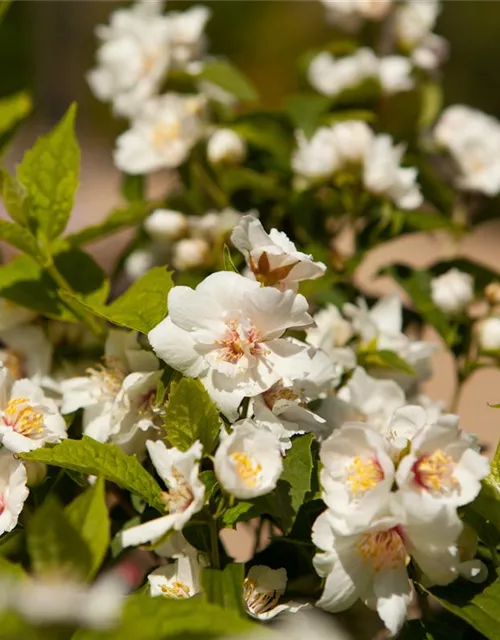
165, 133
384, 550
435, 472
177, 590
279, 392
108, 378
23, 419
178, 497
246, 469
259, 601
233, 346
364, 474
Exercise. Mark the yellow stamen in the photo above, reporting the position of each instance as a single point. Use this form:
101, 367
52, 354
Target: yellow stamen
246, 469
178, 497
23, 419
435, 472
177, 590
364, 474
384, 550
259, 601
165, 133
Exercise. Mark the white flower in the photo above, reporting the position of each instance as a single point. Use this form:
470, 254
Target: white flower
226, 146
162, 135
273, 257
431, 52
215, 224
473, 140
353, 139
248, 461
133, 58
357, 475
28, 419
13, 491
317, 158
489, 333
227, 332
178, 580
394, 73
452, 291
185, 496
370, 564
262, 590
28, 353
186, 35
350, 14
138, 263
190, 253
415, 20
165, 225
331, 76
383, 175
441, 467
331, 334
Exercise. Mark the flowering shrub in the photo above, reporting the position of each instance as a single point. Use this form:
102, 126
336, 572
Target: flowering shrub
244, 376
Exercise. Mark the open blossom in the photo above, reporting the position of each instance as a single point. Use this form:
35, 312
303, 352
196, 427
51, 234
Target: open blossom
132, 59
395, 74
185, 496
273, 257
370, 563
226, 146
13, 490
473, 140
190, 253
186, 37
248, 461
28, 418
452, 291
262, 589
162, 135
414, 22
178, 580
227, 332
350, 14
331, 334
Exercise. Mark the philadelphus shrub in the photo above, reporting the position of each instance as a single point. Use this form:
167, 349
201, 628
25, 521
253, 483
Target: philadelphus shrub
243, 378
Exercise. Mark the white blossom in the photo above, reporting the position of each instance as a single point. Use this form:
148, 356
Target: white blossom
489, 333
331, 334
316, 159
178, 580
273, 257
331, 76
165, 225
350, 14
162, 135
190, 253
13, 490
248, 461
138, 263
186, 37
28, 418
185, 496
132, 59
28, 353
227, 332
414, 22
262, 590
473, 140
395, 74
452, 291
226, 146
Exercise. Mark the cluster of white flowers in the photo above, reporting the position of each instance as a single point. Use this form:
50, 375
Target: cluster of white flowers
350, 14
414, 22
352, 145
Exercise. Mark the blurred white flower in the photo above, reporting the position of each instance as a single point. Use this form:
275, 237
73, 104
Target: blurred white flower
350, 14
353, 139
317, 158
162, 135
28, 418
190, 253
215, 224
185, 496
138, 263
273, 257
452, 291
248, 461
186, 38
28, 353
472, 138
489, 333
227, 332
13, 315
133, 58
13, 490
414, 22
178, 580
225, 146
165, 225
331, 76
331, 334
395, 74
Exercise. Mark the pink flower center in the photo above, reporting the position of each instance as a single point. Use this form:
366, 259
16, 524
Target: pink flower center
434, 472
3, 503
237, 342
23, 418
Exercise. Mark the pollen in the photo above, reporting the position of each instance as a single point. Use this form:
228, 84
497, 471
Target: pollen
165, 133
434, 472
363, 474
179, 496
247, 470
256, 601
177, 590
384, 550
108, 379
236, 342
279, 392
22, 418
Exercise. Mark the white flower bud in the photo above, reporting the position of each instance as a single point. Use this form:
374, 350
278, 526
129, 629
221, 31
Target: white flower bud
452, 291
489, 334
226, 145
189, 253
138, 263
165, 225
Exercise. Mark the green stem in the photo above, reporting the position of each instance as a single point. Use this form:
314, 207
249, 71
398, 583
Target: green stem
211, 187
494, 556
423, 603
214, 543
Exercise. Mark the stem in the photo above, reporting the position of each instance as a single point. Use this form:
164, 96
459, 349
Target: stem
214, 543
211, 187
423, 603
494, 556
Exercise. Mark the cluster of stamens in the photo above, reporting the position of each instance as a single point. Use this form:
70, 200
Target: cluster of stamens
177, 590
384, 550
178, 497
434, 472
258, 602
247, 470
23, 418
108, 377
363, 474
165, 133
233, 346
279, 392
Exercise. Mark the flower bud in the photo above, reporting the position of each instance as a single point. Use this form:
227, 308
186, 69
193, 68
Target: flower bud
452, 291
165, 225
492, 292
189, 253
137, 263
489, 334
226, 146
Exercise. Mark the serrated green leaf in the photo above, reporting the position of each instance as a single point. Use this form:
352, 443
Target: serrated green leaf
95, 458
240, 512
89, 515
54, 545
14, 108
306, 111
191, 415
146, 618
49, 172
225, 587
19, 237
15, 198
226, 76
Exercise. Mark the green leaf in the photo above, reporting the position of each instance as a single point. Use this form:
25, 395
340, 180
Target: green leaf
14, 108
95, 458
191, 415
4, 7
385, 359
54, 545
431, 103
89, 515
146, 618
49, 171
228, 260
226, 76
306, 110
241, 512
133, 187
18, 237
11, 569
15, 199
225, 587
